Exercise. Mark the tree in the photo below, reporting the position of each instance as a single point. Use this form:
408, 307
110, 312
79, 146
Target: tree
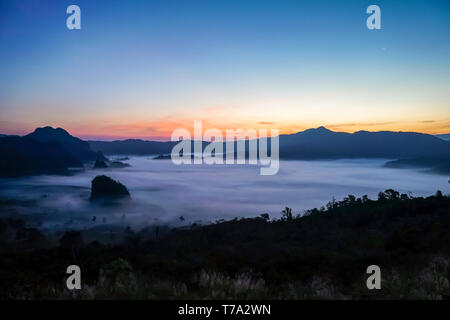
72, 240
391, 194
286, 214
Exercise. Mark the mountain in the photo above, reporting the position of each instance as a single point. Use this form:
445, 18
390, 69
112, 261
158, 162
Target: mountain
437, 163
132, 147
318, 143
323, 143
443, 136
20, 156
8, 135
75, 146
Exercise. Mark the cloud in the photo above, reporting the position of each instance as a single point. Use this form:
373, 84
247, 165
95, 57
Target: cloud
266, 122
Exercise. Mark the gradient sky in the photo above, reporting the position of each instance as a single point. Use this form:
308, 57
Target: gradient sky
144, 68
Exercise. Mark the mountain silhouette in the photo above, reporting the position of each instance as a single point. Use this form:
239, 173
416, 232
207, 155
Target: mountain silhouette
74, 145
20, 156
49, 150
315, 143
105, 188
321, 143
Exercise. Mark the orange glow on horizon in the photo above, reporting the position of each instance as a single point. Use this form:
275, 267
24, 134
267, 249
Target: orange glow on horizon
162, 130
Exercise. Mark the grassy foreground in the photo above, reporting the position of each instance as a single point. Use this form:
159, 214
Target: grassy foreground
319, 254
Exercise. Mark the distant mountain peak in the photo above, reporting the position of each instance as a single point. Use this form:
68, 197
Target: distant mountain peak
74, 145
320, 130
51, 130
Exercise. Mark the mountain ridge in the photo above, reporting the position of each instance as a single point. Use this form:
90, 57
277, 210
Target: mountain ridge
313, 143
44, 151
79, 148
22, 156
310, 144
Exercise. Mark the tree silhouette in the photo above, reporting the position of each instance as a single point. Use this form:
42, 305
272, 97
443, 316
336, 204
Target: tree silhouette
286, 214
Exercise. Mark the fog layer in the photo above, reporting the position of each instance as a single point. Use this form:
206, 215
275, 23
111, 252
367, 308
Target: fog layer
162, 192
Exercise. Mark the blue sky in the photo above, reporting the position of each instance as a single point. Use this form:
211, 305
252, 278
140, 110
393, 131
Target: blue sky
142, 68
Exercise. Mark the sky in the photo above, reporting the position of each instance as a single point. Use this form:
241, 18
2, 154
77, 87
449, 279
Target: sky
141, 69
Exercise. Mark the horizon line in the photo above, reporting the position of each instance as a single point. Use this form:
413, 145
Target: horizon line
110, 138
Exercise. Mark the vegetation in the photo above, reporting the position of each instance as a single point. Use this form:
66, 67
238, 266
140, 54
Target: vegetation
105, 188
320, 253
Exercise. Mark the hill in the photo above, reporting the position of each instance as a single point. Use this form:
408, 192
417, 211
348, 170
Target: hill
105, 188
21, 156
319, 143
323, 143
322, 253
74, 145
437, 164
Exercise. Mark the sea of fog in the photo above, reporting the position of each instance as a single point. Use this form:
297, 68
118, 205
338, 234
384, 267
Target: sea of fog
162, 192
